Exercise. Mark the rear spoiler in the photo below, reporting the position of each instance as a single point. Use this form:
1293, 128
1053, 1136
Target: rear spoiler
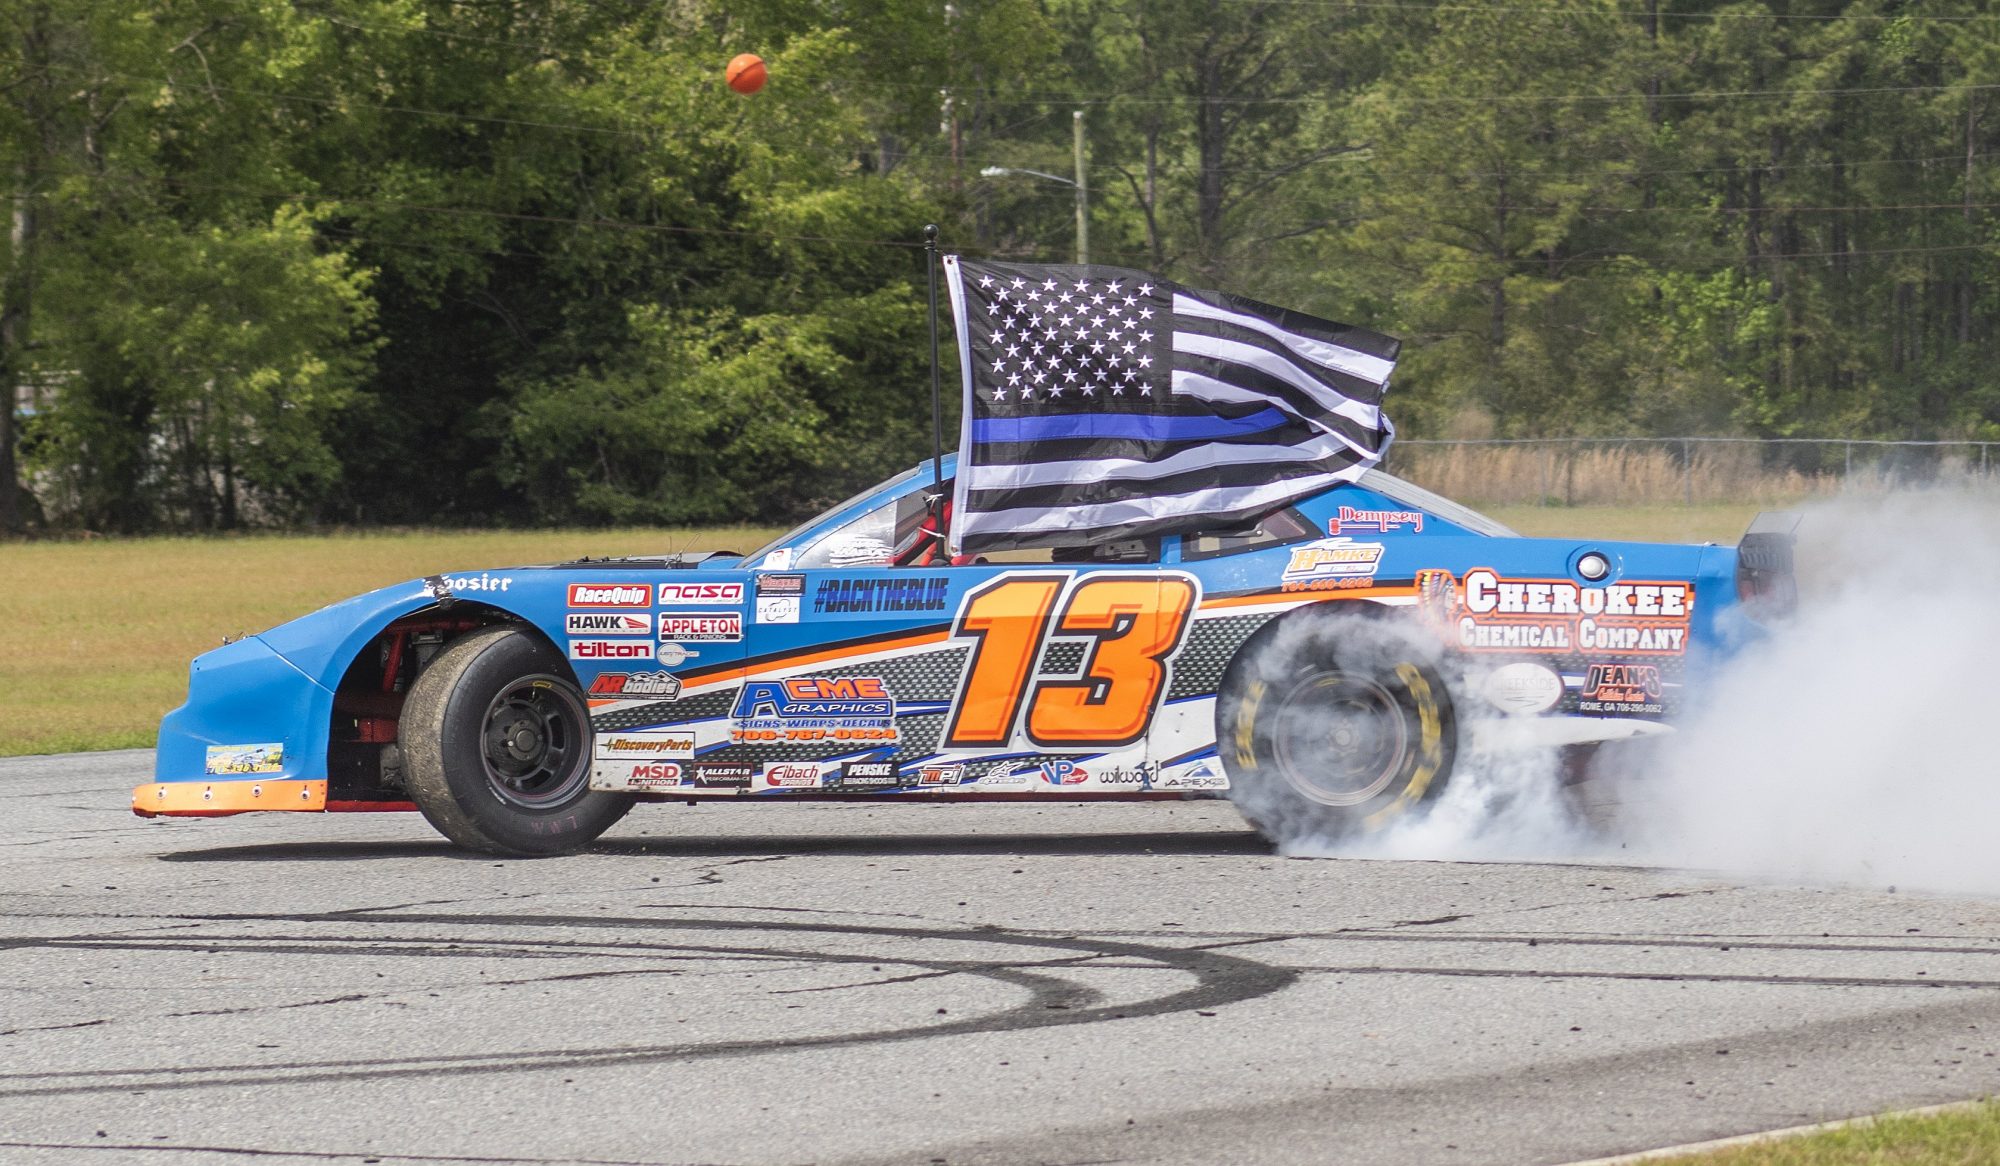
1765, 583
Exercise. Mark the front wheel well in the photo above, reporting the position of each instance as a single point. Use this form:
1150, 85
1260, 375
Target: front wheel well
364, 763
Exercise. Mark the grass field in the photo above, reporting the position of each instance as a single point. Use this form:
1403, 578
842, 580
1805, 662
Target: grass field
95, 637
1961, 1137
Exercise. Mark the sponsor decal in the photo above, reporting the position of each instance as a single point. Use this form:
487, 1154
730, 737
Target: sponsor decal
701, 625
1486, 593
1437, 596
790, 775
481, 582
608, 623
718, 774
1523, 688
679, 746
1380, 521
778, 560
1202, 774
610, 595
869, 774
264, 758
674, 655
1141, 777
836, 596
1622, 688
610, 649
815, 708
1331, 563
699, 593
1486, 612
1011, 779
940, 774
649, 685
647, 774
779, 597
1062, 772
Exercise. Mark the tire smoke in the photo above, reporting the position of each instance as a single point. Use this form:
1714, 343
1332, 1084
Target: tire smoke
1856, 744
1505, 802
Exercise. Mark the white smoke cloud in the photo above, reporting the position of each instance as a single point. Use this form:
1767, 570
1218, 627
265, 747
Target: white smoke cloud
1858, 744
1505, 801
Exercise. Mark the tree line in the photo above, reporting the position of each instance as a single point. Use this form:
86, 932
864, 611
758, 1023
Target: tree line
278, 262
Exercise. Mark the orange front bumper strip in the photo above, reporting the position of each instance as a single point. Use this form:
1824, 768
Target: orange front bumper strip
210, 799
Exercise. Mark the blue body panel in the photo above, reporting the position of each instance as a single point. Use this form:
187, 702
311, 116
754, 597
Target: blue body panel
808, 667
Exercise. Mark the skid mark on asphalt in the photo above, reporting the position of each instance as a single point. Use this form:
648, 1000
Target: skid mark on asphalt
1051, 1000
1664, 977
1723, 941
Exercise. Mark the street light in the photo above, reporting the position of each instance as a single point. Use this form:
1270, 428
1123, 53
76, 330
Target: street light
1081, 183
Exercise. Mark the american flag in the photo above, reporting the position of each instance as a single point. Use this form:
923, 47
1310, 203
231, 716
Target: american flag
1103, 403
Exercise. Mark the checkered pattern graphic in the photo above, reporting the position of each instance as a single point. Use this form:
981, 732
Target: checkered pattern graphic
707, 706
1063, 657
1211, 644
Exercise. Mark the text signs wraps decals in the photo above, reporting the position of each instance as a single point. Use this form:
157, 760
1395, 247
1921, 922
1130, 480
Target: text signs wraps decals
815, 708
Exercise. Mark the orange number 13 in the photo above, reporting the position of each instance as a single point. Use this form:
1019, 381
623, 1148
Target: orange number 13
1131, 623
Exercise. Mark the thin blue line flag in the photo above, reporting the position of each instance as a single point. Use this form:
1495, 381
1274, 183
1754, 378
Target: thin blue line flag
1103, 404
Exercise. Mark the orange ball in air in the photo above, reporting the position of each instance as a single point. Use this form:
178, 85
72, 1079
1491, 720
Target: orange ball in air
745, 73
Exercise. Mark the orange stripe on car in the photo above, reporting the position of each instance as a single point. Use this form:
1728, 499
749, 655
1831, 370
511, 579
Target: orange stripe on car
1267, 597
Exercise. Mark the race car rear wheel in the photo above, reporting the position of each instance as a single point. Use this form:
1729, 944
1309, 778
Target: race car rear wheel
1333, 726
497, 747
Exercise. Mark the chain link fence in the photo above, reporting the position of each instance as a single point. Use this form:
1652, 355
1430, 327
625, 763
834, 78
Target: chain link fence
1689, 471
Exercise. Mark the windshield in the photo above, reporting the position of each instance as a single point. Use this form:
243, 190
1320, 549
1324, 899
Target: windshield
797, 532
1410, 494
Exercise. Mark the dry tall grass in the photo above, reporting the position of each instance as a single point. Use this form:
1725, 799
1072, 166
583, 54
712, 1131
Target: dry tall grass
1668, 472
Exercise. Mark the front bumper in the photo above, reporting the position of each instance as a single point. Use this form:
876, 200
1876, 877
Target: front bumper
252, 736
218, 799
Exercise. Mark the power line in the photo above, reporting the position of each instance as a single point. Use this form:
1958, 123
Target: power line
1634, 13
1074, 100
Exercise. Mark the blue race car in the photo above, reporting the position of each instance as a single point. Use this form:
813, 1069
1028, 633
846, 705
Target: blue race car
1320, 666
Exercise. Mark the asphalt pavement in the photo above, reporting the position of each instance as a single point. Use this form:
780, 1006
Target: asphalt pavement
839, 984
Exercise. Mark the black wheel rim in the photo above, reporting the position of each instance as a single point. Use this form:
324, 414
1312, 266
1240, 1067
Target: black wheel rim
1341, 740
536, 743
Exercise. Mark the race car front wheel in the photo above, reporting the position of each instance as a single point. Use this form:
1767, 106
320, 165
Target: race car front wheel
1333, 726
497, 747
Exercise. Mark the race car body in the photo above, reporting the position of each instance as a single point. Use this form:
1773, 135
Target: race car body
1320, 665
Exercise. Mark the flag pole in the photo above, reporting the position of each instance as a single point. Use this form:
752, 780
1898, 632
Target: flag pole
937, 386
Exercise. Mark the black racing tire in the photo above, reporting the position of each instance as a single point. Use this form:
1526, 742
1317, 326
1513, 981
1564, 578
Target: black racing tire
497, 743
1335, 726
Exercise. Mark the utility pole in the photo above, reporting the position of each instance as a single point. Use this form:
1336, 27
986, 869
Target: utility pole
1082, 195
